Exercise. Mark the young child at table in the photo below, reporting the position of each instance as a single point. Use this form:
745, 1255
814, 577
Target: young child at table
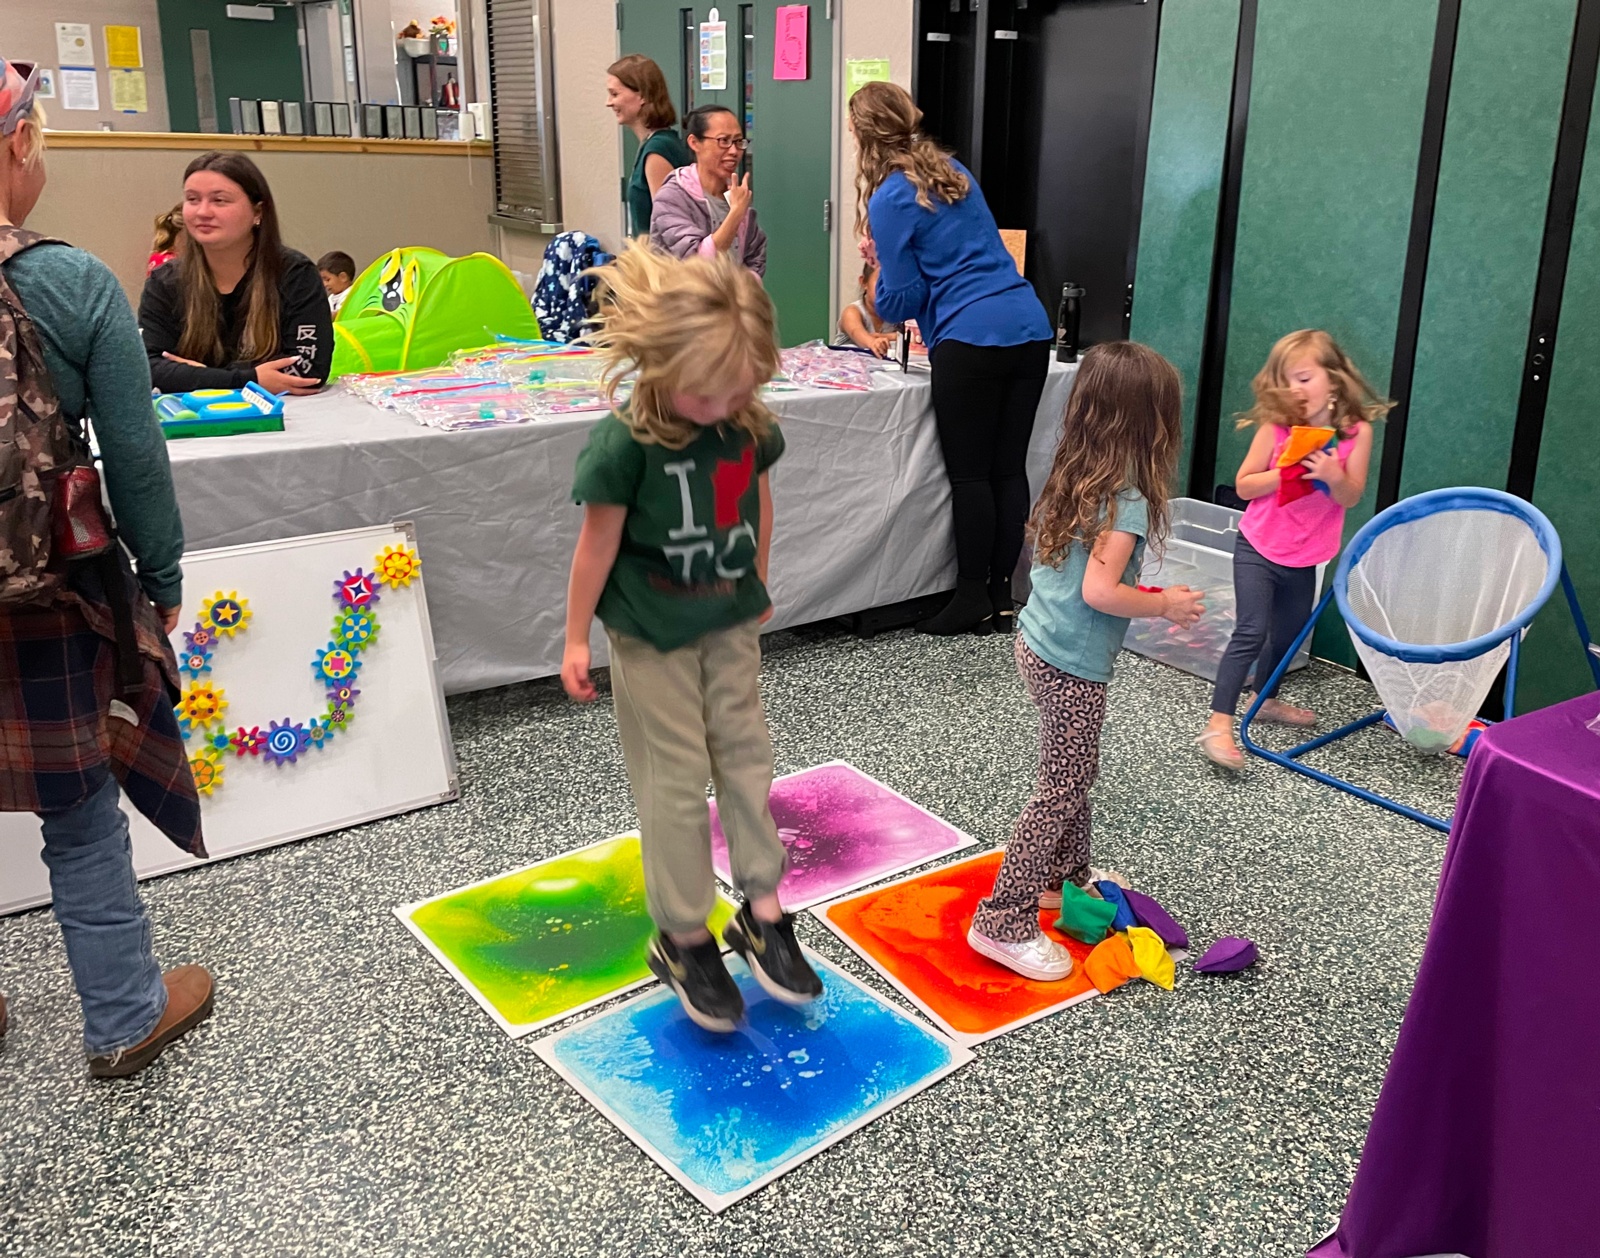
1106, 494
859, 322
672, 556
164, 241
1289, 528
338, 272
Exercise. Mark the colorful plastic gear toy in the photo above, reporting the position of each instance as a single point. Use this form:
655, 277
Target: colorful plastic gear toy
196, 661
319, 734
247, 742
225, 614
397, 566
356, 589
219, 740
335, 664
355, 628
202, 702
338, 716
342, 696
202, 639
285, 741
206, 765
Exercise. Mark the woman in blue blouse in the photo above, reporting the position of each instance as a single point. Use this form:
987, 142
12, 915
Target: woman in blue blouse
942, 263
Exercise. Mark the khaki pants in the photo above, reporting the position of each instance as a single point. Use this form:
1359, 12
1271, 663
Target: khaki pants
687, 716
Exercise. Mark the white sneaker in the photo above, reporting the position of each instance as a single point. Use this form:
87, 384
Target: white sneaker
1040, 958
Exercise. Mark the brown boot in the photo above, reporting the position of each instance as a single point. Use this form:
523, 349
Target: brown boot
189, 991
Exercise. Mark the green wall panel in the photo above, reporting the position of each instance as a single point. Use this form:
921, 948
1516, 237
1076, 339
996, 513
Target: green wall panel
1494, 183
791, 165
1330, 167
1567, 485
249, 59
1183, 179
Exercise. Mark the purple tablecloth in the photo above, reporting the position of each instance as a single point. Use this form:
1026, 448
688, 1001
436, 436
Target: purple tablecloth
1486, 1138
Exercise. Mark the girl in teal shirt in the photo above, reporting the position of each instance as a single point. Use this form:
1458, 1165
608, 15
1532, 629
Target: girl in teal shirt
1107, 493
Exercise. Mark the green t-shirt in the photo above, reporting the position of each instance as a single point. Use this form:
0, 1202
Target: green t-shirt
670, 145
687, 564
1063, 630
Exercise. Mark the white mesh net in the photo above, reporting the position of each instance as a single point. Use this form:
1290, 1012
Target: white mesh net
1443, 579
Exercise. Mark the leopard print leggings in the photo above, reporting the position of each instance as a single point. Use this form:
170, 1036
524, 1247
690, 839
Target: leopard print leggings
1051, 842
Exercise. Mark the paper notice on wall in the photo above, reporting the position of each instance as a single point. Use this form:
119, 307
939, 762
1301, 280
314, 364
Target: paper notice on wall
713, 56
80, 89
74, 44
858, 73
129, 93
124, 47
46, 90
790, 56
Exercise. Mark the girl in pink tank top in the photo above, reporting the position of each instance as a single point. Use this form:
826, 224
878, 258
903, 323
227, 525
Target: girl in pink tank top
1295, 519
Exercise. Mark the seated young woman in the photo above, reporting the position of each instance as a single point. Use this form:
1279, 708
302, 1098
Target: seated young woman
235, 306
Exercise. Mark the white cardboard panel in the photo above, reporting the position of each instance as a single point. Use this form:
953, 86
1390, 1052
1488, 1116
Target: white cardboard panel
396, 755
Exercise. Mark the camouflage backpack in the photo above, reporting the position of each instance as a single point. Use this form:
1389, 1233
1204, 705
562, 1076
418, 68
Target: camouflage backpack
38, 445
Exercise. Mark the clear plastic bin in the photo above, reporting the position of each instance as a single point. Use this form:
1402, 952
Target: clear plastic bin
1198, 552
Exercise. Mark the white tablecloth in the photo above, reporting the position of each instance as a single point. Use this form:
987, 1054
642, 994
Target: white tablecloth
860, 500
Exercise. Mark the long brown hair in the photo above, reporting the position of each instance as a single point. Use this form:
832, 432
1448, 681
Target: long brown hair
1353, 398
202, 308
642, 75
887, 123
168, 231
682, 325
1122, 430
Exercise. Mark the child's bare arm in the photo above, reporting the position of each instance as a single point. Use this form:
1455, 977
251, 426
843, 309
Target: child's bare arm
1104, 590
1257, 477
598, 543
855, 327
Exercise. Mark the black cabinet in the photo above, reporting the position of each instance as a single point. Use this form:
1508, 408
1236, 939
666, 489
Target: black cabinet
1048, 102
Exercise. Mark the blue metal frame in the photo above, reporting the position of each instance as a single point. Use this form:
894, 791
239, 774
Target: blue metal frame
1290, 759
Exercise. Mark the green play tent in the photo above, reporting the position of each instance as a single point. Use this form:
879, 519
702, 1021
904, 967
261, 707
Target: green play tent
414, 307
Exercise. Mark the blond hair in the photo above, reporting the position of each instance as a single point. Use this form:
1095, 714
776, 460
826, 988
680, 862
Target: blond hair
689, 325
1123, 429
888, 138
1353, 398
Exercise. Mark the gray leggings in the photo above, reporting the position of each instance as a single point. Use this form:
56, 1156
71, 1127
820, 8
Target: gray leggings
1273, 603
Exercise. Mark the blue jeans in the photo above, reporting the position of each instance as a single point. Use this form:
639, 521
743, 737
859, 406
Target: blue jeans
1273, 603
96, 901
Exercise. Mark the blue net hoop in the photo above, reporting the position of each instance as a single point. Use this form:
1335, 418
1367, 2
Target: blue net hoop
1433, 503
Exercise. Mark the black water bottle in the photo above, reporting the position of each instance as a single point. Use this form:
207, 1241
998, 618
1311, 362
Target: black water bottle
1067, 316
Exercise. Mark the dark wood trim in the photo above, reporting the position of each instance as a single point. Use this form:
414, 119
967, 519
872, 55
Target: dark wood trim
1408, 327
1141, 141
1214, 351
1571, 142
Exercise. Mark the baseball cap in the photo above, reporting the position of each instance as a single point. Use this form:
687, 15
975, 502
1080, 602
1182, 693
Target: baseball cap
16, 93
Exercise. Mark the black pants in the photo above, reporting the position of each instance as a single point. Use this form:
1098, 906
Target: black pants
1273, 603
984, 401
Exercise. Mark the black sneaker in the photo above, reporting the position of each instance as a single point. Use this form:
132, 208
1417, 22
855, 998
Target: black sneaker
700, 979
774, 957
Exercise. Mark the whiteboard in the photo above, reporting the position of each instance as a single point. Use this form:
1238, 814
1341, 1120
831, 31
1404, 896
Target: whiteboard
394, 757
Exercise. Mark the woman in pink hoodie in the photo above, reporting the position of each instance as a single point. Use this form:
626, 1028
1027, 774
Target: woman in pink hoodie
703, 209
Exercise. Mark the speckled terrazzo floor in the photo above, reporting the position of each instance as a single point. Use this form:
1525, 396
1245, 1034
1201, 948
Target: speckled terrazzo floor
349, 1098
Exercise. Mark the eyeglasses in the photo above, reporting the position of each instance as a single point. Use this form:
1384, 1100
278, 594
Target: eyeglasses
726, 142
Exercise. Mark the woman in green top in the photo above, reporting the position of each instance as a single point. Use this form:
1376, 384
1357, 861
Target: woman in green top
636, 91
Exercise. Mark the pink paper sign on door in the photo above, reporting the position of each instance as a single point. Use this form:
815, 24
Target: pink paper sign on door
789, 54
